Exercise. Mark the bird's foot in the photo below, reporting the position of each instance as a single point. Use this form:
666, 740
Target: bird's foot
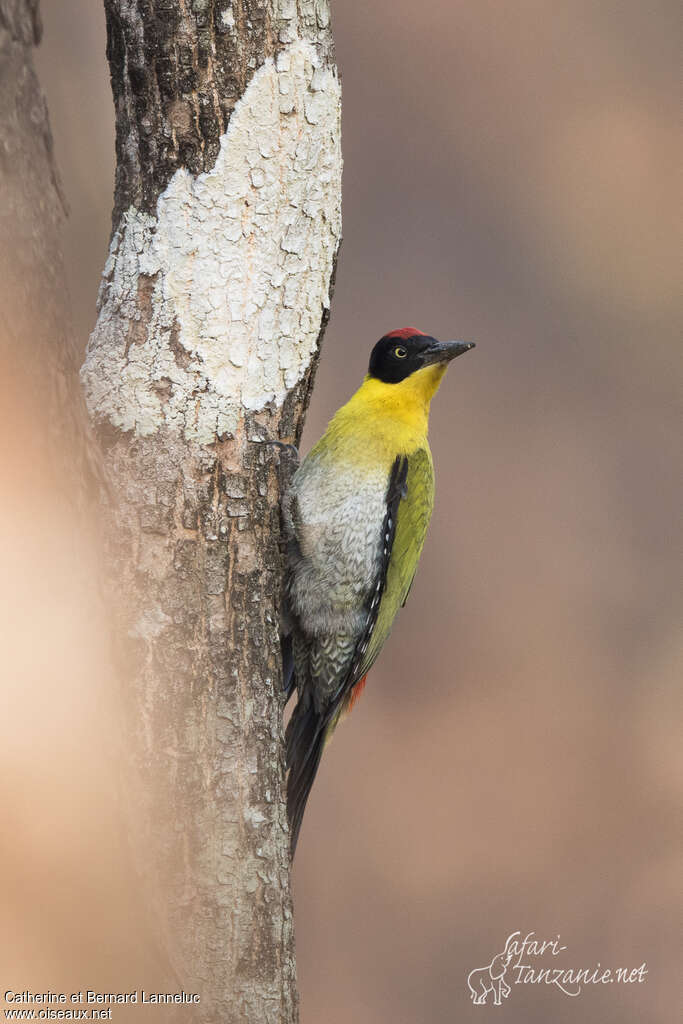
288, 462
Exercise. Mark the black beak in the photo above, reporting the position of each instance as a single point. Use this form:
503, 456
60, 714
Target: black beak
444, 351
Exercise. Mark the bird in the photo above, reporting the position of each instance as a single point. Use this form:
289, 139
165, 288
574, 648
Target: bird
355, 516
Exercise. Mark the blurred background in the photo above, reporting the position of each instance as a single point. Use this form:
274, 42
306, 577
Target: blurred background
515, 762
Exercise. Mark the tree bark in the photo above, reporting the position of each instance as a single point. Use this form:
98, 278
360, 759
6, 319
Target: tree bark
214, 297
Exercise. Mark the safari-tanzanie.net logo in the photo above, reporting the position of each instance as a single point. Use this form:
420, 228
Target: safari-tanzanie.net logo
520, 963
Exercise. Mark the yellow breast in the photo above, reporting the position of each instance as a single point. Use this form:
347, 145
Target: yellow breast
385, 420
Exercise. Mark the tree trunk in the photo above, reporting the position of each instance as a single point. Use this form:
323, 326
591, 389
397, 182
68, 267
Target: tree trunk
214, 297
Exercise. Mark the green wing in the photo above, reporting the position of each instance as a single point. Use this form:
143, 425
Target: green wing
412, 520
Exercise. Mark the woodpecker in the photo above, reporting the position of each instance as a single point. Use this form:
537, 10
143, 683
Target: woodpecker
355, 517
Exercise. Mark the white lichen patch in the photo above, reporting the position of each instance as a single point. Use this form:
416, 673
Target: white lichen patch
228, 17
213, 306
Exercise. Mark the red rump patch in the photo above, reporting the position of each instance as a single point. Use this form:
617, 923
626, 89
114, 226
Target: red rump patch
356, 692
405, 332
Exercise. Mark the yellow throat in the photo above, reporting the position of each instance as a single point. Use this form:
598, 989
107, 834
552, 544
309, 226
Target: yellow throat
390, 417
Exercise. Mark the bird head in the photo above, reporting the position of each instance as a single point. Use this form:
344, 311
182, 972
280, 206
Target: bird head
402, 353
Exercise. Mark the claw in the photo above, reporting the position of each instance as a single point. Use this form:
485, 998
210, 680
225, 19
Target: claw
289, 462
291, 449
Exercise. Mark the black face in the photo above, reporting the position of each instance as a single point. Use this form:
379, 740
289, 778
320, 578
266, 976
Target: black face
400, 353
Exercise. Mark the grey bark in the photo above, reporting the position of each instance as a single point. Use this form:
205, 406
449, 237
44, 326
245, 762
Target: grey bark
192, 537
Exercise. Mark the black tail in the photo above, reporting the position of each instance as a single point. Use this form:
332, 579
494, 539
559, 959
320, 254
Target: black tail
305, 739
288, 680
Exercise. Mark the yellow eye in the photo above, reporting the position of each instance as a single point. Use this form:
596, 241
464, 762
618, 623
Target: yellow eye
400, 352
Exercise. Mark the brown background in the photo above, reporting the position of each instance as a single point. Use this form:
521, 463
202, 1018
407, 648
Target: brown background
509, 179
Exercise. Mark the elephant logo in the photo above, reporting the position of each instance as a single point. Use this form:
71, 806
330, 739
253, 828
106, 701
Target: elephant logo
483, 980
